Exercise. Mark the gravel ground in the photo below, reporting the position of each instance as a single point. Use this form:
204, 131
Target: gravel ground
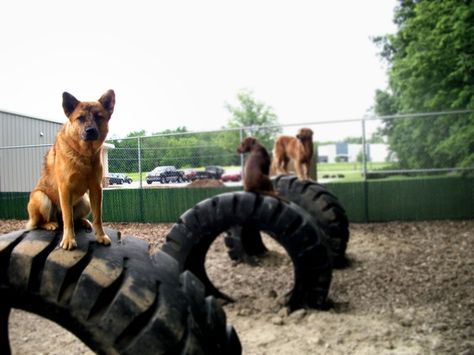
409, 289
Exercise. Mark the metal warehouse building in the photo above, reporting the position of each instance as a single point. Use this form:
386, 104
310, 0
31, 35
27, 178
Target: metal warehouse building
23, 143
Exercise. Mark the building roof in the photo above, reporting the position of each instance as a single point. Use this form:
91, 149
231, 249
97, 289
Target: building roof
29, 116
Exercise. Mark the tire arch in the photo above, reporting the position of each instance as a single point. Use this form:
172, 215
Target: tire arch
243, 242
189, 240
325, 208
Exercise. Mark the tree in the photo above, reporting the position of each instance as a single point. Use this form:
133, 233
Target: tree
124, 156
253, 113
173, 147
431, 68
377, 136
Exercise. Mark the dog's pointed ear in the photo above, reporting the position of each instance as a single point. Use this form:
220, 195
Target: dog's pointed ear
69, 103
108, 101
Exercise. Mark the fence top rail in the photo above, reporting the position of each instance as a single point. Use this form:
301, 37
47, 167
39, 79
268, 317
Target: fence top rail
250, 128
310, 123
428, 170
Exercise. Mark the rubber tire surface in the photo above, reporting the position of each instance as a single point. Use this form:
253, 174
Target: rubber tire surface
117, 299
244, 242
324, 207
189, 240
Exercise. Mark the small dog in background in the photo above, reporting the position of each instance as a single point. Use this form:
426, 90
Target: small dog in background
73, 167
299, 150
256, 168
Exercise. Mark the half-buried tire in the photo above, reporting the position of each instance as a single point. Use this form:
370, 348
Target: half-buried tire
243, 242
189, 240
117, 299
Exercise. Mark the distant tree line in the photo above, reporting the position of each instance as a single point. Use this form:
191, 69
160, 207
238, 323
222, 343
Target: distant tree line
180, 150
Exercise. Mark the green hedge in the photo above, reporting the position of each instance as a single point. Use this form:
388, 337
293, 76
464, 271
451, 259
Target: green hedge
372, 201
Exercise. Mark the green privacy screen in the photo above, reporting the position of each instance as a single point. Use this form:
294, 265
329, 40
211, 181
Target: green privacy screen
13, 205
161, 205
409, 199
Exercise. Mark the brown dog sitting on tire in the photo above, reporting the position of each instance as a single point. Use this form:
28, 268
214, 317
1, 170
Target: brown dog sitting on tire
257, 167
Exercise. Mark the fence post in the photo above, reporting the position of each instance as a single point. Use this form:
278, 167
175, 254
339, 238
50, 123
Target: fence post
364, 173
241, 154
364, 152
141, 192
139, 154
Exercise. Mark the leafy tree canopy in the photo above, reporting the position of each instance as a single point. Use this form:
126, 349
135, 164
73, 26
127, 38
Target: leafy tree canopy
140, 133
182, 129
251, 112
431, 68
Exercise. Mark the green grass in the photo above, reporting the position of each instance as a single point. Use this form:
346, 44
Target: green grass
348, 175
347, 172
136, 176
350, 166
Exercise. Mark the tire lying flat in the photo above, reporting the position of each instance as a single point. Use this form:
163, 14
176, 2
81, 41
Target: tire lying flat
117, 299
243, 242
189, 240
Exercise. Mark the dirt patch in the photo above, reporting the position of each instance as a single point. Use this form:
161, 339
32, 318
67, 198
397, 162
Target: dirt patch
206, 183
409, 290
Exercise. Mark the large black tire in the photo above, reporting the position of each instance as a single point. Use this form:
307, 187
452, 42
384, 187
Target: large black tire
245, 248
189, 240
117, 299
324, 207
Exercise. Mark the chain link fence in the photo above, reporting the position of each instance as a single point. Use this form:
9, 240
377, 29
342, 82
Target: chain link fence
347, 150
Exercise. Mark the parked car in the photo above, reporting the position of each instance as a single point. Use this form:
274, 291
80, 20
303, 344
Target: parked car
127, 179
210, 172
201, 174
165, 174
190, 174
215, 171
235, 175
118, 178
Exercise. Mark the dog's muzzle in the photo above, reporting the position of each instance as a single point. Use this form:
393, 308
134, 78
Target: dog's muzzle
90, 134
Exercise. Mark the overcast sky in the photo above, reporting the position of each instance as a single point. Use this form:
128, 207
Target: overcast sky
176, 63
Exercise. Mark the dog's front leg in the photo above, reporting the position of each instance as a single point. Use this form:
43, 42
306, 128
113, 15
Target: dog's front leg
69, 240
299, 170
304, 171
95, 194
307, 168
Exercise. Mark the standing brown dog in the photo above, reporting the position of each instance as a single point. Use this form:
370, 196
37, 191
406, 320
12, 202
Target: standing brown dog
257, 167
299, 150
72, 167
